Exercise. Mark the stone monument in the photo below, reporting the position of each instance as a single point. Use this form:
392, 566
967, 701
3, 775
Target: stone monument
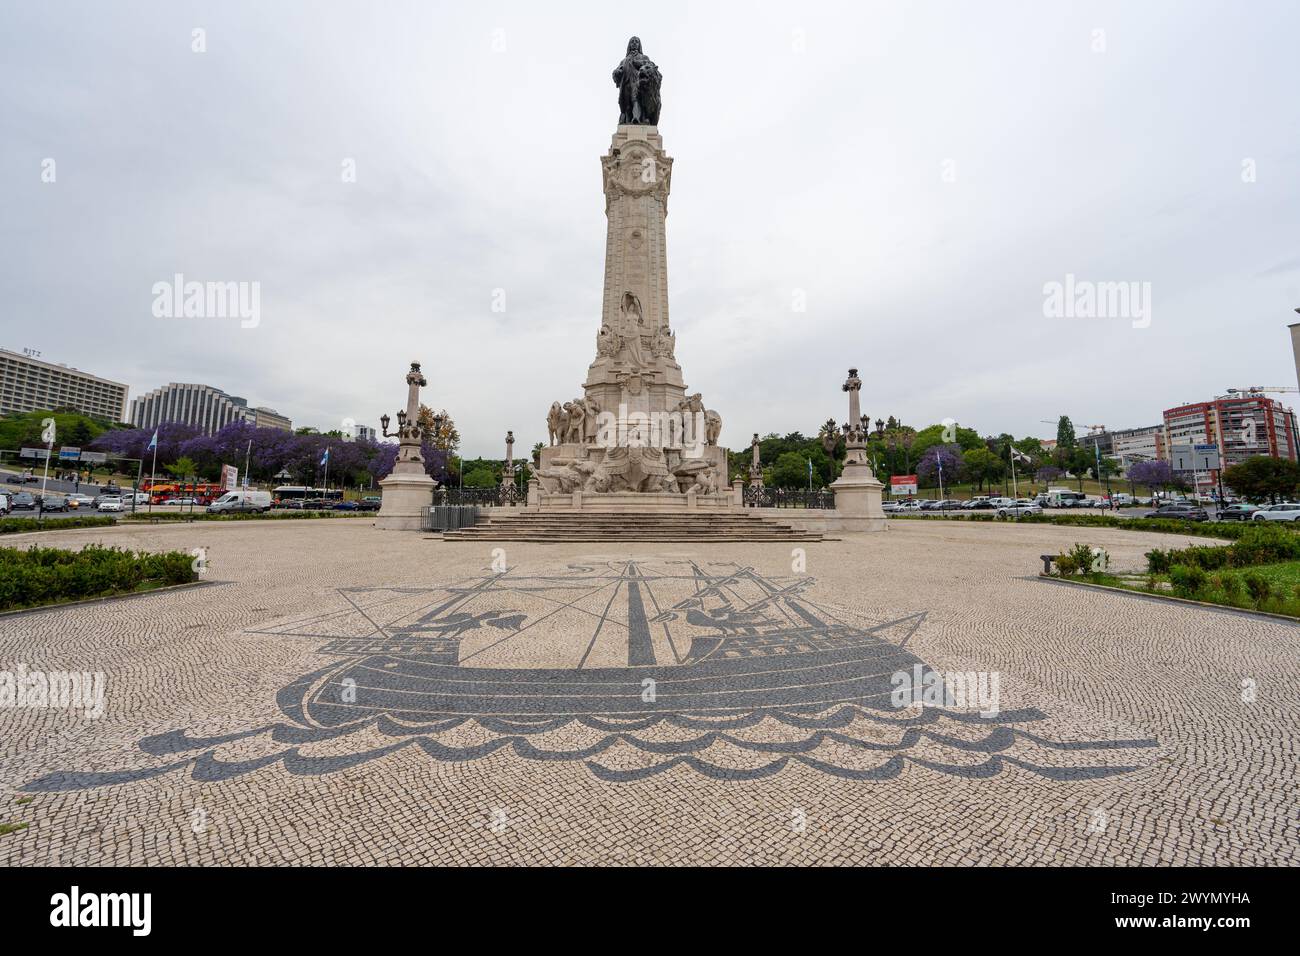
857, 492
408, 488
636, 439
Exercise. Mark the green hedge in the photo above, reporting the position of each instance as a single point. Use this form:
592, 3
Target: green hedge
36, 576
243, 516
24, 525
1256, 544
1227, 530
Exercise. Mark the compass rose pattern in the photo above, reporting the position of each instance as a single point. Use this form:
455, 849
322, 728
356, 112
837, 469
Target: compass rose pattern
632, 668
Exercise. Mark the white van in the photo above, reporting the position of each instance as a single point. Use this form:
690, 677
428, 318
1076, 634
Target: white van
1062, 498
241, 501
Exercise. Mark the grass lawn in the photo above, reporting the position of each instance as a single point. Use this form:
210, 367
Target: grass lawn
1226, 587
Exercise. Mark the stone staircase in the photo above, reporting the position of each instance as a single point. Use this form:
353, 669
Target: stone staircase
511, 524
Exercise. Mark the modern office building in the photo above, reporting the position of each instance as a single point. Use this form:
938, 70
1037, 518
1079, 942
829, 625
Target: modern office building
202, 405
1129, 445
29, 384
367, 433
1243, 425
261, 417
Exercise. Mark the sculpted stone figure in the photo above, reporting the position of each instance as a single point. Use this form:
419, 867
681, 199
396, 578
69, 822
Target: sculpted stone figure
630, 329
638, 80
591, 424
606, 342
577, 420
555, 422
712, 426
662, 347
565, 475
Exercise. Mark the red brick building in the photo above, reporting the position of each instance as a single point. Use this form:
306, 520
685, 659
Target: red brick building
1243, 426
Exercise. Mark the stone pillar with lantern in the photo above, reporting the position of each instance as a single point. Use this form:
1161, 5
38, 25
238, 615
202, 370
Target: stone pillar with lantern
857, 492
408, 489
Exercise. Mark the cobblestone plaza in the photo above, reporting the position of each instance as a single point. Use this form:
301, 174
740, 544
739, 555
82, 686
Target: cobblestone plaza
337, 694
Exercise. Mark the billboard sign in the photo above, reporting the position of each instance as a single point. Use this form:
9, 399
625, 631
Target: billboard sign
69, 454
229, 477
33, 453
902, 485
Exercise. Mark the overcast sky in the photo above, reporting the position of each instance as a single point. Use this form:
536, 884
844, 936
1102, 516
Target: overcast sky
916, 172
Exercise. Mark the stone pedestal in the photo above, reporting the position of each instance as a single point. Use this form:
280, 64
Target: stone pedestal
857, 496
407, 489
404, 495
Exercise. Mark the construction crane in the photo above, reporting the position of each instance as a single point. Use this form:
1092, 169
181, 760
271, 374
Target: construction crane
1261, 389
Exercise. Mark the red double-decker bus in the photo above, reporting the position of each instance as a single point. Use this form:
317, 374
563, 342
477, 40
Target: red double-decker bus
162, 490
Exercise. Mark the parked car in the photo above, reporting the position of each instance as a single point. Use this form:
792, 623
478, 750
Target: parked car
1287, 511
1183, 511
1238, 512
1019, 508
23, 501
76, 500
233, 501
892, 507
5, 505
370, 503
979, 504
110, 503
53, 503
1121, 500
182, 501
347, 506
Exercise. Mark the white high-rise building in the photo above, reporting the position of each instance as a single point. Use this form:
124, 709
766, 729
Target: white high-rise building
206, 407
30, 384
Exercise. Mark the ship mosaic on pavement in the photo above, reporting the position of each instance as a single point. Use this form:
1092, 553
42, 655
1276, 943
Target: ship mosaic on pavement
631, 667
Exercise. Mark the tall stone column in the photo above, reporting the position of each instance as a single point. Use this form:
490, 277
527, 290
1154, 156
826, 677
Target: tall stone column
755, 465
857, 492
408, 488
507, 476
635, 336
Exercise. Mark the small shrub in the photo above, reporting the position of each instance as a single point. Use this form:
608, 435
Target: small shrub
1264, 542
1159, 561
1257, 587
1230, 585
1066, 565
1187, 580
1083, 557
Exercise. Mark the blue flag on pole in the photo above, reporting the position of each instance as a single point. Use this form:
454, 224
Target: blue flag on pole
153, 442
326, 458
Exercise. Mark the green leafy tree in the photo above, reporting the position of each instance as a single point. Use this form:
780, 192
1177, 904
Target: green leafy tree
480, 476
184, 468
1263, 477
1065, 433
790, 471
445, 436
980, 465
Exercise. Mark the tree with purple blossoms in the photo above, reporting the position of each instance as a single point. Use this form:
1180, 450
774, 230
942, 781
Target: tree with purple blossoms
1152, 473
951, 458
1048, 474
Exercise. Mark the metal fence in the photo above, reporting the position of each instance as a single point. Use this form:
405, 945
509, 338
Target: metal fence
508, 496
448, 517
765, 497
